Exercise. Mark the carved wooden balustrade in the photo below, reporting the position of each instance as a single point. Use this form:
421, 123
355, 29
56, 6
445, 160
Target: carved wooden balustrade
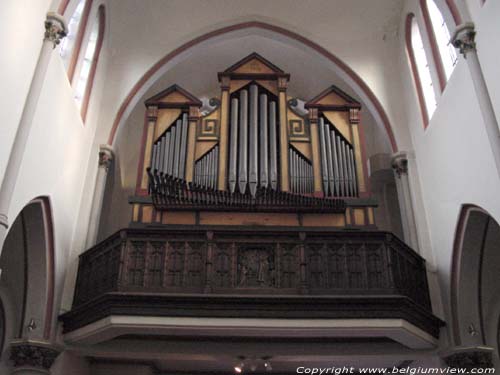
231, 262
172, 193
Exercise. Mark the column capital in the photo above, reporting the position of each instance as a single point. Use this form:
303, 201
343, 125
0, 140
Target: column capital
106, 155
37, 355
469, 357
399, 163
464, 38
55, 28
152, 112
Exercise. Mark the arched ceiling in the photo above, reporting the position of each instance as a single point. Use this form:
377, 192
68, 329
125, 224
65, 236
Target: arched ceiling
196, 71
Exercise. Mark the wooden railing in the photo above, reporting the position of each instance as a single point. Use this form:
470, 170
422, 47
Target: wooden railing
243, 262
172, 193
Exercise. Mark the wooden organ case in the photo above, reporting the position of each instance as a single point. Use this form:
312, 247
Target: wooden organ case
254, 196
255, 157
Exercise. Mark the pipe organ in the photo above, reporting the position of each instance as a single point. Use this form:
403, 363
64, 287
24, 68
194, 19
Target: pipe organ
169, 150
205, 170
301, 173
253, 144
337, 162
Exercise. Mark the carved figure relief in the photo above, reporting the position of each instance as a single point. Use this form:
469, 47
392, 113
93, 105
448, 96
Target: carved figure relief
256, 268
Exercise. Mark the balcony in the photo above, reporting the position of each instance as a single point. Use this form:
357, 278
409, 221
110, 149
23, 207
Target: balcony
278, 273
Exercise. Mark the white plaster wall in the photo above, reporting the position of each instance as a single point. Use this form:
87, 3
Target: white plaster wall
21, 36
363, 34
59, 145
455, 163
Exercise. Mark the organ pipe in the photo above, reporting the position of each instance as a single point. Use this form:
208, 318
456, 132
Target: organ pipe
243, 146
253, 144
338, 165
301, 173
233, 147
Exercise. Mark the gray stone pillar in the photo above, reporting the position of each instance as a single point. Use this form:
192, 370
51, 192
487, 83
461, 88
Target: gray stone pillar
464, 40
400, 166
106, 155
469, 358
55, 30
30, 357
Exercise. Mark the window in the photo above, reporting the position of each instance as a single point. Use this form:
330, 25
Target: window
442, 38
420, 68
68, 43
88, 65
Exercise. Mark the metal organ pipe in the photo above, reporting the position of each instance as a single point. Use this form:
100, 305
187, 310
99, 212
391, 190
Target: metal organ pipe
253, 144
264, 159
273, 146
242, 171
337, 161
183, 149
233, 151
301, 173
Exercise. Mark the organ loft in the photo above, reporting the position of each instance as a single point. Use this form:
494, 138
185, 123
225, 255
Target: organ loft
254, 204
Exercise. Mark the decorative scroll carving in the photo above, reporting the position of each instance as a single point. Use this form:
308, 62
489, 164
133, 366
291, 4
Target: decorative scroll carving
400, 164
298, 131
33, 354
209, 130
256, 267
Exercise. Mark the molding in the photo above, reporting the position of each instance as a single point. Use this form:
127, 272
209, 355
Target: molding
33, 354
251, 307
464, 38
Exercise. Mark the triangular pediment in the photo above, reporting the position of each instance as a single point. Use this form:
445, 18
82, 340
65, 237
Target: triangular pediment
333, 97
254, 64
174, 95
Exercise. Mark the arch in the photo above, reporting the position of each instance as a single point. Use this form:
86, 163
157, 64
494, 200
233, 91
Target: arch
384, 119
475, 258
28, 260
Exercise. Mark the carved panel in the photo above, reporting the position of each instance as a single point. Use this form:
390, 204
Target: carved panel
136, 263
288, 265
156, 262
195, 266
355, 265
316, 266
256, 266
222, 265
175, 263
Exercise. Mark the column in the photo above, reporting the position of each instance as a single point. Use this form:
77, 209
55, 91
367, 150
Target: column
55, 30
359, 151
30, 357
283, 134
400, 166
194, 117
316, 155
224, 132
151, 117
105, 160
469, 358
464, 40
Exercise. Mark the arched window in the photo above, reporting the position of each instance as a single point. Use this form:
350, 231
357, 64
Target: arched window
85, 79
420, 69
439, 34
70, 45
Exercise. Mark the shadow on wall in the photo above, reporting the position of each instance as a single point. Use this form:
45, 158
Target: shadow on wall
26, 282
383, 185
475, 289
